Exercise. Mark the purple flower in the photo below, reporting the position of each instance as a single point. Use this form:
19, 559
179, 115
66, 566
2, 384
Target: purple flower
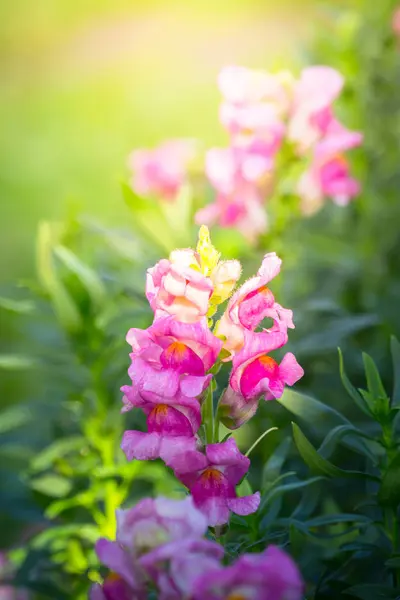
271, 575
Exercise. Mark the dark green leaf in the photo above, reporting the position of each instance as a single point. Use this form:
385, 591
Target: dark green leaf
395, 348
317, 463
372, 591
351, 390
87, 276
335, 436
389, 493
311, 411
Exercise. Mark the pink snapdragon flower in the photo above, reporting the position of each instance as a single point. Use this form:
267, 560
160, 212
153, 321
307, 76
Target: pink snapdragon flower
211, 478
162, 171
152, 525
239, 176
253, 102
255, 374
329, 173
168, 371
311, 113
178, 287
243, 210
251, 303
184, 562
270, 575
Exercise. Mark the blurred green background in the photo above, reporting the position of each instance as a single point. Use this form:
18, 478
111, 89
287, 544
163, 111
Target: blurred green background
85, 82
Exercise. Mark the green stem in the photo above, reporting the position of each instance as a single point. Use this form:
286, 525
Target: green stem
110, 504
208, 416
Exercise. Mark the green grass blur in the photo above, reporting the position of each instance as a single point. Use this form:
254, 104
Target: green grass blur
84, 83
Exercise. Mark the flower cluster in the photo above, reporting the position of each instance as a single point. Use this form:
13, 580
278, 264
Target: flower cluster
264, 113
160, 546
173, 363
161, 172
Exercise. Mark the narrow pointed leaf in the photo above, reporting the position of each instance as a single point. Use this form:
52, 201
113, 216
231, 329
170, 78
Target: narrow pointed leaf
395, 348
318, 464
349, 387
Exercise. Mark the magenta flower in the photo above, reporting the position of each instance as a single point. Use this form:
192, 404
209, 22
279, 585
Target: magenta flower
162, 171
211, 479
243, 210
184, 562
149, 526
178, 287
271, 575
329, 174
255, 374
125, 582
311, 113
251, 303
168, 372
115, 588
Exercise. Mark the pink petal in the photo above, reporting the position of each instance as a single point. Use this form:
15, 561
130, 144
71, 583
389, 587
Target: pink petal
290, 370
245, 505
96, 592
192, 386
116, 559
169, 421
226, 453
176, 449
215, 510
182, 359
142, 446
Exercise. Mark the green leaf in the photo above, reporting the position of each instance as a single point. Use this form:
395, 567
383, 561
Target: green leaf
63, 304
376, 396
288, 487
395, 348
372, 591
149, 219
56, 450
87, 276
335, 436
351, 390
393, 563
311, 411
16, 362
17, 306
14, 417
244, 488
274, 464
317, 463
389, 493
374, 381
337, 518
52, 485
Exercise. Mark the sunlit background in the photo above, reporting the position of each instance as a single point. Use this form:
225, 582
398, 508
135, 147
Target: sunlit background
82, 83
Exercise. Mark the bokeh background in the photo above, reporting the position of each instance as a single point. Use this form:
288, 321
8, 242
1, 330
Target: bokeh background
84, 83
